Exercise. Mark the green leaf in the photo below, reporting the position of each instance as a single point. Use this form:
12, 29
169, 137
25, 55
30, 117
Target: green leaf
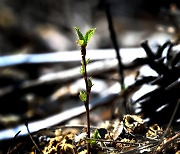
92, 142
82, 96
80, 42
82, 69
79, 33
95, 136
90, 84
87, 61
88, 35
123, 87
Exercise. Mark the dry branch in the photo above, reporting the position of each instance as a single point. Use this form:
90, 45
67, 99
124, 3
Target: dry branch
128, 54
59, 118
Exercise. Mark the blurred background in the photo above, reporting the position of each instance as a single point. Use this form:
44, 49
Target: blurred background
47, 25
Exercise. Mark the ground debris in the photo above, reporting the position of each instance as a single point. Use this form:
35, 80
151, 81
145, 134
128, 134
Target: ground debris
60, 144
130, 135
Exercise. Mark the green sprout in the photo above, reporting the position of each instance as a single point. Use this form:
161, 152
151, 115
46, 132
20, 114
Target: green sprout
95, 136
84, 39
84, 95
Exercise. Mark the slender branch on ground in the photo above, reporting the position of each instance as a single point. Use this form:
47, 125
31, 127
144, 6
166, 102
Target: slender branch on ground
168, 126
26, 124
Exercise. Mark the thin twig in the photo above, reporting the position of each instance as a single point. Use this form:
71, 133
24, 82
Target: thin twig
169, 141
9, 150
26, 124
168, 126
115, 44
103, 140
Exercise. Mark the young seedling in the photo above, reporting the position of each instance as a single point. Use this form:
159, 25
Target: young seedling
84, 95
95, 136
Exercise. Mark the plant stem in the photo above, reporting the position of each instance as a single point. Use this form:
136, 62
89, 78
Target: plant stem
88, 90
